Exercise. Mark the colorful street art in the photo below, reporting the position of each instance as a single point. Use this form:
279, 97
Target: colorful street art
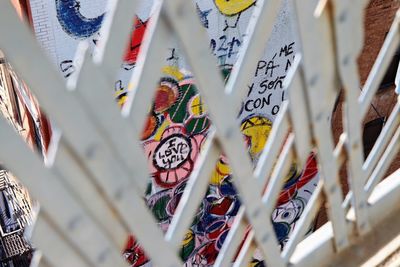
177, 124
73, 22
233, 7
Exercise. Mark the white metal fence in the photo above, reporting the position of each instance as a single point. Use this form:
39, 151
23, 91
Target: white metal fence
90, 189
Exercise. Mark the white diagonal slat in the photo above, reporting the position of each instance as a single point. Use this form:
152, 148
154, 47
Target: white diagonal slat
232, 241
260, 26
92, 91
246, 251
299, 113
381, 64
272, 148
100, 160
68, 113
148, 68
210, 85
269, 198
346, 56
303, 225
74, 221
91, 146
384, 163
115, 31
91, 197
383, 140
319, 71
53, 244
194, 193
283, 164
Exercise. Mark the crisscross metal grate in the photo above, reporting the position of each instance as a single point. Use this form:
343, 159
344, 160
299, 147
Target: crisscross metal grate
91, 186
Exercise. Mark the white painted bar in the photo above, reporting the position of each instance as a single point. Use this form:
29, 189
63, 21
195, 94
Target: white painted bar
92, 186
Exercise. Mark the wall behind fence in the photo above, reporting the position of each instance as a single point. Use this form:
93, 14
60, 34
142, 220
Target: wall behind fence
178, 122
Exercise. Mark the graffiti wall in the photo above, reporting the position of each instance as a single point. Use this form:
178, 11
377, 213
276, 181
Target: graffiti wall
178, 123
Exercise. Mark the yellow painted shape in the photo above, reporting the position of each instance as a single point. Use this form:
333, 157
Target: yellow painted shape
233, 7
219, 173
257, 129
293, 173
254, 263
174, 72
197, 106
188, 238
122, 101
160, 130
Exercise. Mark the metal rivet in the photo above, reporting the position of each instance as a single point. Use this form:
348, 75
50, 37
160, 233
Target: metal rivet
265, 238
103, 255
356, 144
314, 80
74, 222
229, 133
341, 243
256, 213
343, 16
119, 193
346, 60
319, 116
333, 189
180, 12
91, 151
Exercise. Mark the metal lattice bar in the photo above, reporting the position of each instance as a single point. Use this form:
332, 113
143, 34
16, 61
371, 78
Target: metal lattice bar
304, 224
92, 185
115, 30
382, 141
260, 25
192, 196
75, 178
383, 164
234, 238
148, 61
224, 121
299, 116
46, 236
74, 222
347, 61
381, 64
320, 83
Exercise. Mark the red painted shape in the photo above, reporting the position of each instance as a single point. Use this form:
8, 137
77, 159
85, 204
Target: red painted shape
133, 48
309, 173
134, 254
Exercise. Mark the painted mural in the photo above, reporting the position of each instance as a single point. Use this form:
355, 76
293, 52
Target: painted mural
73, 22
177, 124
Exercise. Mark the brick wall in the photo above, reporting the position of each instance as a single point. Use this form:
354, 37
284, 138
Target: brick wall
42, 25
378, 19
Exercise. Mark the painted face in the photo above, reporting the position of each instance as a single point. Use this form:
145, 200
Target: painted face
256, 129
285, 217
